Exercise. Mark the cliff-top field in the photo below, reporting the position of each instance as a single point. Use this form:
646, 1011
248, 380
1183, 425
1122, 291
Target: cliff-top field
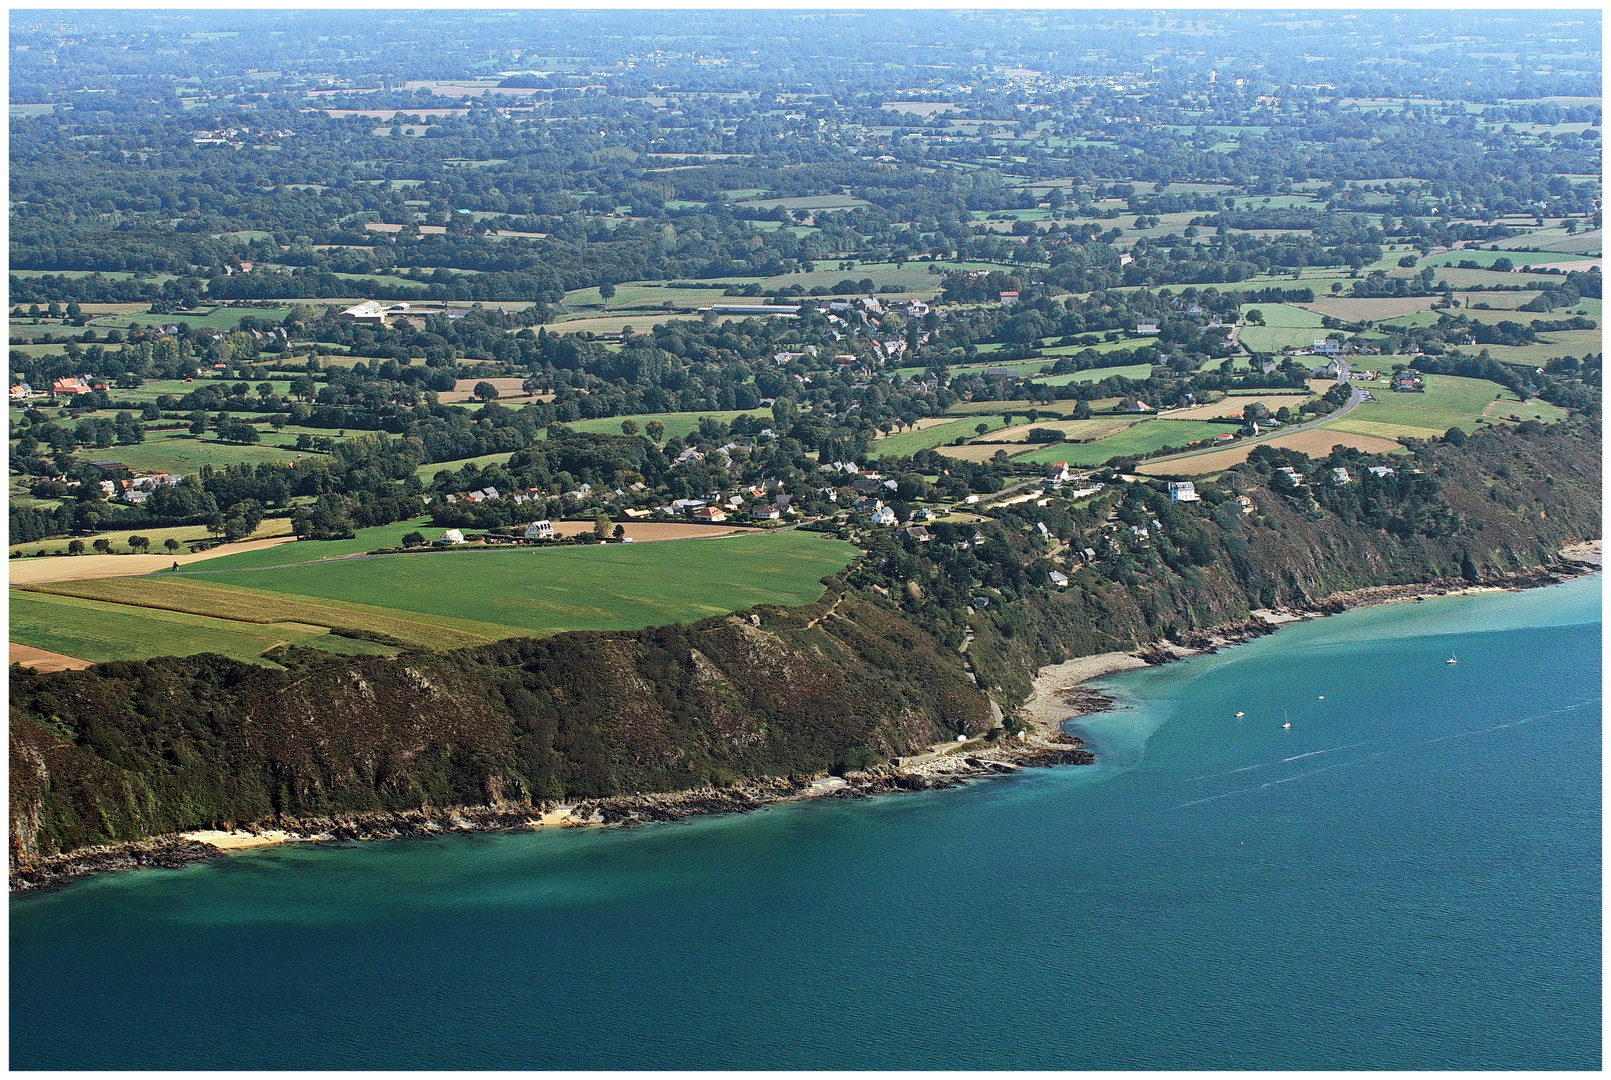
445, 599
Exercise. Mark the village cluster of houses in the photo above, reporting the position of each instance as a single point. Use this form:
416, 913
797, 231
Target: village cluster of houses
136, 490
67, 386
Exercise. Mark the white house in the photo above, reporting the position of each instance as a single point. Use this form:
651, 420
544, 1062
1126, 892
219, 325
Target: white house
452, 536
1183, 491
1341, 476
883, 516
1381, 470
1058, 579
540, 530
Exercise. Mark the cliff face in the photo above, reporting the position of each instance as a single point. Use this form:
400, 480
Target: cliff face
126, 750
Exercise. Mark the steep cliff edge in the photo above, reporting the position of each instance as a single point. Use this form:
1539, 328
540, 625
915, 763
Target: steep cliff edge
871, 671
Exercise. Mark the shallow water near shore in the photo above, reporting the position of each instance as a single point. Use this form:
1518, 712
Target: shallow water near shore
1408, 877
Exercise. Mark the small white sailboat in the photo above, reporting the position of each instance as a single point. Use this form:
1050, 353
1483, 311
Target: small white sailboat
1240, 715
1288, 723
1451, 659
1322, 697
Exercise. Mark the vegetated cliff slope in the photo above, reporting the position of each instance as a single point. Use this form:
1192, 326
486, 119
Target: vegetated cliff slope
138, 748
126, 750
1495, 504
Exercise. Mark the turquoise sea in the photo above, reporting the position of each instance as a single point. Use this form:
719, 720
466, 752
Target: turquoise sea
1407, 878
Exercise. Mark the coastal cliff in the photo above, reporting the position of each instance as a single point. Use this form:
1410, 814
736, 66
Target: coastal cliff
767, 699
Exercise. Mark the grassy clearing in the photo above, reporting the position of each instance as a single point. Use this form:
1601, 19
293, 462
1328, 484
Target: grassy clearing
181, 452
907, 443
428, 472
1449, 401
678, 424
1556, 343
303, 551
545, 591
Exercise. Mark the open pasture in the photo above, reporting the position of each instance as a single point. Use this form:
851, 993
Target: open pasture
181, 452
1449, 401
678, 424
931, 432
101, 632
541, 591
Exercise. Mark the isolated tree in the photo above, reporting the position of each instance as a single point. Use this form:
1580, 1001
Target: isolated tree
413, 539
75, 547
485, 391
171, 544
629, 427
655, 430
980, 429
139, 543
103, 545
601, 526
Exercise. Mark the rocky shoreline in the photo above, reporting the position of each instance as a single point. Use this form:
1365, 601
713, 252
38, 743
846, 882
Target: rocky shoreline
1059, 695
969, 761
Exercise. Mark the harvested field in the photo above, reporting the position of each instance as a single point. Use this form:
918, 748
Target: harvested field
975, 451
509, 390
1234, 406
44, 660
1073, 430
1316, 443
87, 567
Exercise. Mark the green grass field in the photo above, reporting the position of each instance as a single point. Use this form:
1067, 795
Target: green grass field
1143, 438
303, 551
427, 472
100, 632
1449, 401
181, 452
545, 591
1285, 326
907, 443
678, 425
438, 599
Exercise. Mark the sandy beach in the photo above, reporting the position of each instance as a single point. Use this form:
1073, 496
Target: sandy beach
239, 841
1046, 707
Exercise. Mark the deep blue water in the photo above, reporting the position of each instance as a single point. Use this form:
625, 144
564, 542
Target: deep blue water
1409, 877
